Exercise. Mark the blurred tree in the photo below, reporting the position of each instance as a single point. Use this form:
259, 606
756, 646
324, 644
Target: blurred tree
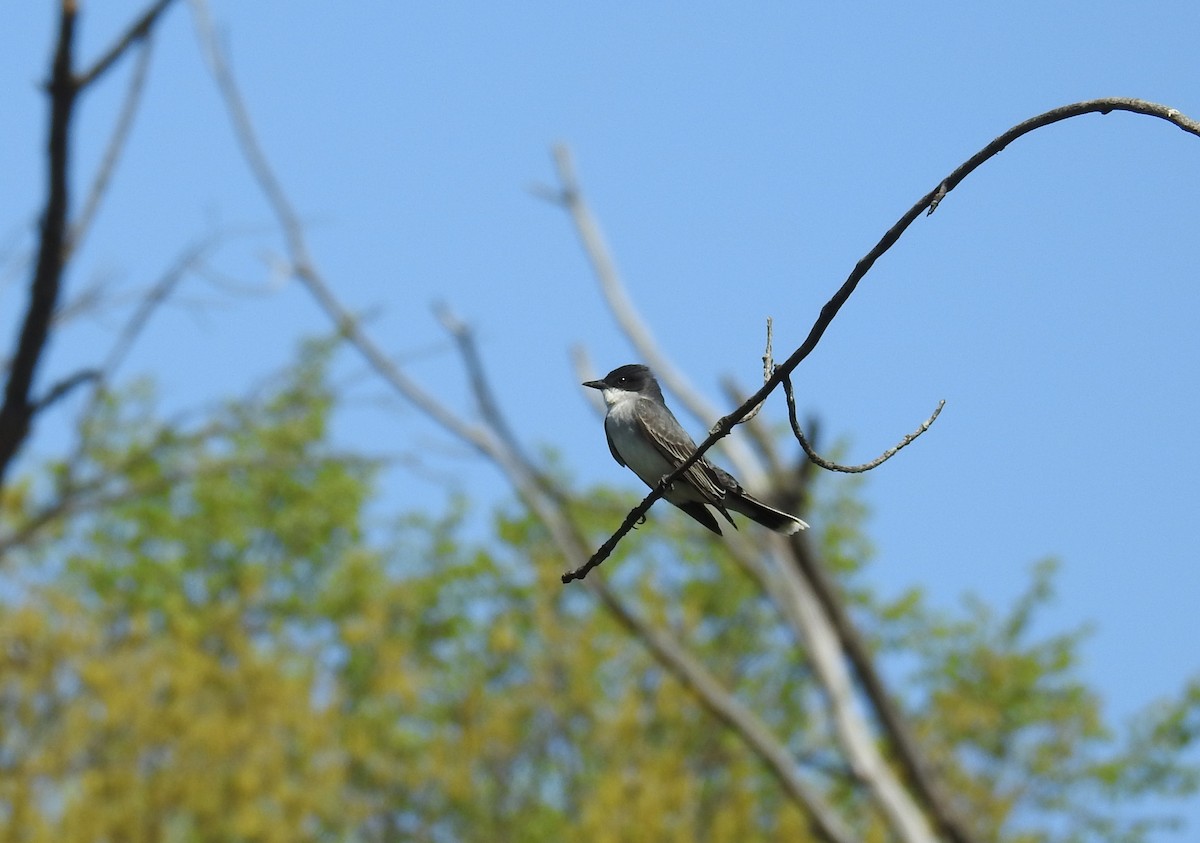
200, 640
226, 656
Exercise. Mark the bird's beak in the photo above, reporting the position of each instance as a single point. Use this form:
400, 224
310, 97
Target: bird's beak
596, 384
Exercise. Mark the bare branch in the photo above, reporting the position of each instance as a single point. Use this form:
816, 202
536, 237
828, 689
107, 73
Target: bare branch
900, 737
768, 367
858, 743
759, 434
302, 266
256, 160
139, 30
829, 465
489, 408
17, 411
1056, 115
55, 240
90, 496
64, 387
116, 144
154, 298
929, 201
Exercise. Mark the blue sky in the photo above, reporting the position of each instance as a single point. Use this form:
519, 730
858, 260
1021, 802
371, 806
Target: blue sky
741, 159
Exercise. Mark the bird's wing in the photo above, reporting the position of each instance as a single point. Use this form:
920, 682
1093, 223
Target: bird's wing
672, 441
702, 514
613, 448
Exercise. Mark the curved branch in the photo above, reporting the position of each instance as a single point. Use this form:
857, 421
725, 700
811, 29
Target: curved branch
929, 201
829, 465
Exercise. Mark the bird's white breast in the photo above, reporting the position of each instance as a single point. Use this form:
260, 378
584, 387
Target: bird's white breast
645, 460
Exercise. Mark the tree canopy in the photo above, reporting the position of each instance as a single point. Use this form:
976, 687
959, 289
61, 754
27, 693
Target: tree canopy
227, 650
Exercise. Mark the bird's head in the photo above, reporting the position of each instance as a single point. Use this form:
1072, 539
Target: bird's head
625, 382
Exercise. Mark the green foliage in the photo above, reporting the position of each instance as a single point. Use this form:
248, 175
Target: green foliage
221, 654
1023, 739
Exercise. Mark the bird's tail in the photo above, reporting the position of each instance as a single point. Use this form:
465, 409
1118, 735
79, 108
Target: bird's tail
768, 516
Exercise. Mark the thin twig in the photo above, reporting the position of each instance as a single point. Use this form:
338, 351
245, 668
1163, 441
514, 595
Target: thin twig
137, 31
65, 386
489, 408
148, 302
116, 145
187, 261
768, 367
830, 310
829, 465
465, 340
760, 436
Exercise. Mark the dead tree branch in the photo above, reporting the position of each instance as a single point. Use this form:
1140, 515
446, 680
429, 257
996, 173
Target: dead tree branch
65, 387
54, 243
187, 261
895, 727
829, 465
928, 202
768, 361
16, 414
493, 444
137, 31
116, 145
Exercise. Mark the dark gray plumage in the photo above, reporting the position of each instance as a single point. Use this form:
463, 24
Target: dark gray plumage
644, 435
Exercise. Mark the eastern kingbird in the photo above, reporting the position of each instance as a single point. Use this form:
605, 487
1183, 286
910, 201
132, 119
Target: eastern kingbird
644, 435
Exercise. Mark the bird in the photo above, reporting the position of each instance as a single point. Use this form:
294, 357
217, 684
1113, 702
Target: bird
644, 436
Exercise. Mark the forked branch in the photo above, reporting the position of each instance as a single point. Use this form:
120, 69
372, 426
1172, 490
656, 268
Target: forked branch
830, 465
20, 405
